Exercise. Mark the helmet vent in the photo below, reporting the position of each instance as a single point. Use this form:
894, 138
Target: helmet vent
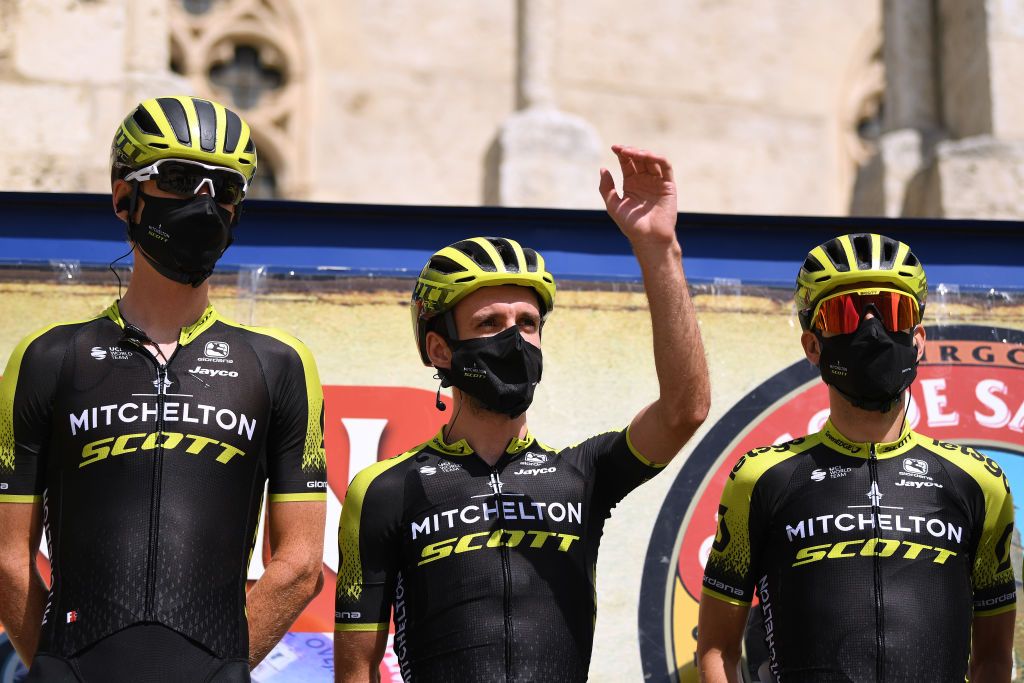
507, 254
207, 124
811, 265
443, 264
144, 120
911, 260
862, 251
250, 147
159, 145
232, 131
477, 253
175, 114
835, 253
824, 278
531, 260
889, 249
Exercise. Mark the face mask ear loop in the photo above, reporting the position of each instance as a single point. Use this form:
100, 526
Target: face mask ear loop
132, 203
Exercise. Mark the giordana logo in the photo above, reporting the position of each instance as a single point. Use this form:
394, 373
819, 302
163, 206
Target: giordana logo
914, 466
217, 349
98, 352
818, 475
428, 470
535, 459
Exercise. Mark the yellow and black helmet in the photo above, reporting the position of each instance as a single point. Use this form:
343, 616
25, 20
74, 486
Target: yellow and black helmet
182, 127
858, 258
458, 270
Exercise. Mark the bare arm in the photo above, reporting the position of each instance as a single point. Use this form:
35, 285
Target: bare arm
292, 578
992, 648
720, 629
357, 655
646, 215
22, 590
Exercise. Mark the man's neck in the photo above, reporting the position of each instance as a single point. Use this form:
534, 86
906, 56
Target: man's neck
161, 307
487, 433
866, 426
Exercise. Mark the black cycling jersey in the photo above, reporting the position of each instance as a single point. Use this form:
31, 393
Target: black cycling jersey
869, 560
490, 570
152, 476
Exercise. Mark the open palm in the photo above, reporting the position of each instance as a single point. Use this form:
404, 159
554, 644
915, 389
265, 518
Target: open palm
646, 211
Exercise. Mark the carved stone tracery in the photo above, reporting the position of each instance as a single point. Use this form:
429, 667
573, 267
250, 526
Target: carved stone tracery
249, 55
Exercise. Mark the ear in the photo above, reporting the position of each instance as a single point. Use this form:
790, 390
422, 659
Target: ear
812, 347
438, 351
121, 197
919, 340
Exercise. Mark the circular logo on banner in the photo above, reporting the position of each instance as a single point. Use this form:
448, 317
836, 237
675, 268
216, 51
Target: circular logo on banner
969, 390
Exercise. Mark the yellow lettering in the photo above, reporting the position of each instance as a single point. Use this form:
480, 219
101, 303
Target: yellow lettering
198, 443
436, 551
228, 452
171, 440
95, 451
891, 546
463, 546
838, 548
567, 540
810, 554
539, 537
942, 555
914, 549
514, 538
121, 445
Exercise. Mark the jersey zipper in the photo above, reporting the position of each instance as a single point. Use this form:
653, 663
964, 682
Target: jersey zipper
877, 572
506, 568
154, 510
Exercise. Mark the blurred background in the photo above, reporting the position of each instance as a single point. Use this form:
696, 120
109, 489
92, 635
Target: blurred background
862, 107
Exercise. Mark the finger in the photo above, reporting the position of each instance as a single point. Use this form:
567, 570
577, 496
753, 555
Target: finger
607, 189
653, 167
626, 162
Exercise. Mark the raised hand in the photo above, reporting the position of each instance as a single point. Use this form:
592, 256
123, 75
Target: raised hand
646, 211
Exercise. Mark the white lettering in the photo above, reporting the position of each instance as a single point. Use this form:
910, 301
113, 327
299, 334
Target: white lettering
421, 528
79, 422
795, 532
226, 419
935, 403
171, 411
185, 416
246, 425
986, 393
123, 416
556, 511
847, 527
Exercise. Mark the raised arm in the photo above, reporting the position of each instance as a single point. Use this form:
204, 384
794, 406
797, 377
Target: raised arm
292, 578
646, 215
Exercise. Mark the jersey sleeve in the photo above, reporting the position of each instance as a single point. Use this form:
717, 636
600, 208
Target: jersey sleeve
368, 549
297, 465
615, 465
26, 406
992, 577
733, 565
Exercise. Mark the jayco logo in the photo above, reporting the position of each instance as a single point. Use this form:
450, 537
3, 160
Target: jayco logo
200, 370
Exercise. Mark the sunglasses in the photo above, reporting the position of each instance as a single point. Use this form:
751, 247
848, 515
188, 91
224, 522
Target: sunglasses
842, 313
187, 178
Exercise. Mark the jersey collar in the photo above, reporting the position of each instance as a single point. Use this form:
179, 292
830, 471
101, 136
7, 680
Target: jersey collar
187, 335
834, 439
462, 447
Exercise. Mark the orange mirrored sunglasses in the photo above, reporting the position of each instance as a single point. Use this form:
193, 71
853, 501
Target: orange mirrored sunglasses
842, 313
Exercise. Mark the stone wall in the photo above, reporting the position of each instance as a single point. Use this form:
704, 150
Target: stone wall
407, 102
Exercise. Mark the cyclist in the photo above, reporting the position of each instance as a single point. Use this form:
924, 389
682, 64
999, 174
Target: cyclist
140, 441
878, 554
484, 540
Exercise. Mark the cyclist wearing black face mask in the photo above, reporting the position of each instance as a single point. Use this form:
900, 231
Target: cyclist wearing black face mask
140, 441
877, 554
484, 540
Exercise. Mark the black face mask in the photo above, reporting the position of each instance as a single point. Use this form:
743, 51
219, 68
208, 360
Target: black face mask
871, 367
182, 238
500, 371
